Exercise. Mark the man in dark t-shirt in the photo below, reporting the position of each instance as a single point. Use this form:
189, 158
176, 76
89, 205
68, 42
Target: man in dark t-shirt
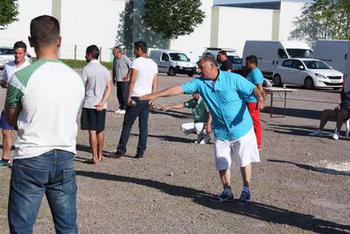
226, 64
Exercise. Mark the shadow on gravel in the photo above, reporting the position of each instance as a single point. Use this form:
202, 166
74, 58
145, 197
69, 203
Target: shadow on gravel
292, 112
173, 113
313, 168
254, 210
168, 138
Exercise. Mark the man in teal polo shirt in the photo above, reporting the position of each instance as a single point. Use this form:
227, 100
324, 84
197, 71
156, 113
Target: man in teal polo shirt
223, 92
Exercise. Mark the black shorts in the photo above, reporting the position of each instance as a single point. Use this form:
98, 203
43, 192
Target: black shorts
94, 120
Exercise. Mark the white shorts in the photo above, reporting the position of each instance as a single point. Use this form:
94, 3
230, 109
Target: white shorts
243, 150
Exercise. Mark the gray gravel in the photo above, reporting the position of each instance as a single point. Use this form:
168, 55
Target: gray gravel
169, 190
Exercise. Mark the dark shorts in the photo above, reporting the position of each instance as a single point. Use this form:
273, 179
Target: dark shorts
3, 123
92, 119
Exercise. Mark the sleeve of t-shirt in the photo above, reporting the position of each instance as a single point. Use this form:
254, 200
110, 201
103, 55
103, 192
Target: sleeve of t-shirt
135, 64
190, 87
4, 74
190, 104
128, 62
108, 75
84, 75
14, 94
244, 86
258, 78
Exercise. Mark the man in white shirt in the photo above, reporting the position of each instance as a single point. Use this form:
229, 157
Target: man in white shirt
43, 100
98, 89
143, 80
20, 50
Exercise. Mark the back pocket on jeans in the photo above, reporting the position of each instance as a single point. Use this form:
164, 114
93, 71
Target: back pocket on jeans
29, 180
69, 184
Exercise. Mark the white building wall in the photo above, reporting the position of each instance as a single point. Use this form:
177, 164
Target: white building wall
19, 30
236, 25
288, 13
86, 22
196, 42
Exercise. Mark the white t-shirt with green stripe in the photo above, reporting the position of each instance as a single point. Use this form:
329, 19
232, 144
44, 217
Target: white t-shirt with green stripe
50, 95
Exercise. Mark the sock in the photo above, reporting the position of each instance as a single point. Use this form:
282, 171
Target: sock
228, 190
246, 189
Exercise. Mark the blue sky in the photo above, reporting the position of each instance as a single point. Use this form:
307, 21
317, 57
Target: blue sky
244, 1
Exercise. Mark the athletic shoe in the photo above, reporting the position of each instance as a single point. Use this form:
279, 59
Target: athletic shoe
139, 156
121, 112
223, 197
317, 132
244, 198
4, 163
118, 154
336, 136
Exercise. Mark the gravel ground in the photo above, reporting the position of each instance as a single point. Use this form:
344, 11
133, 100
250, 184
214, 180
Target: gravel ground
297, 188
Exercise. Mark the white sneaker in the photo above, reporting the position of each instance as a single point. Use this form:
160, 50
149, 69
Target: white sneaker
336, 136
122, 112
317, 132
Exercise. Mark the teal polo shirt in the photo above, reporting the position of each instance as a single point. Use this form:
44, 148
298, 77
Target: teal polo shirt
257, 78
231, 119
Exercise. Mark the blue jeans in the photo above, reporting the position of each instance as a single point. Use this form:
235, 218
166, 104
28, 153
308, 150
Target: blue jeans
52, 174
141, 110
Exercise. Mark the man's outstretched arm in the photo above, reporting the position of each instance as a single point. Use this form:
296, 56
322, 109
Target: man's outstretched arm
172, 91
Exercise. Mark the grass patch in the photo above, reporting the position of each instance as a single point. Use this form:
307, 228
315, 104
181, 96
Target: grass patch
81, 63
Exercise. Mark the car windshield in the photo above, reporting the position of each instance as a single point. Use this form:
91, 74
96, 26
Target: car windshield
235, 59
314, 64
300, 53
6, 51
179, 57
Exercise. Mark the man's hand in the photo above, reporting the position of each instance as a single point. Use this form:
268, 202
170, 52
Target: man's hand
99, 107
4, 83
208, 128
261, 103
125, 78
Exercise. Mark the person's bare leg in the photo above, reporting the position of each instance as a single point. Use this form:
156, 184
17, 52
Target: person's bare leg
341, 117
326, 114
6, 144
100, 144
246, 175
225, 177
93, 145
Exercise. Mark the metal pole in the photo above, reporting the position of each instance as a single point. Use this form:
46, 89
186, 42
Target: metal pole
75, 52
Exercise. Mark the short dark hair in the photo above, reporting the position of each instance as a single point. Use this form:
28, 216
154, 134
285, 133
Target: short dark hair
209, 58
93, 50
20, 44
223, 52
44, 30
141, 45
252, 59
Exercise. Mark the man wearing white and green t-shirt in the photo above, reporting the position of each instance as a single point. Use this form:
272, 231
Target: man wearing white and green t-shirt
43, 100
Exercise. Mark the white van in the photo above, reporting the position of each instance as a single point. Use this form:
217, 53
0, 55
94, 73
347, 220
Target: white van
347, 70
271, 53
172, 62
332, 52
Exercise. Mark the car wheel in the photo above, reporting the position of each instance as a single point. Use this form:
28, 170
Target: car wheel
309, 83
277, 81
171, 72
190, 74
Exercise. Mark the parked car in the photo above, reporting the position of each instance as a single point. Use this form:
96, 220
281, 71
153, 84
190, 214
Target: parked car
231, 55
311, 73
333, 52
271, 53
7, 54
173, 62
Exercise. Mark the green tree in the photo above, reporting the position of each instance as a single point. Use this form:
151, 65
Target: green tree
173, 18
323, 19
8, 12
